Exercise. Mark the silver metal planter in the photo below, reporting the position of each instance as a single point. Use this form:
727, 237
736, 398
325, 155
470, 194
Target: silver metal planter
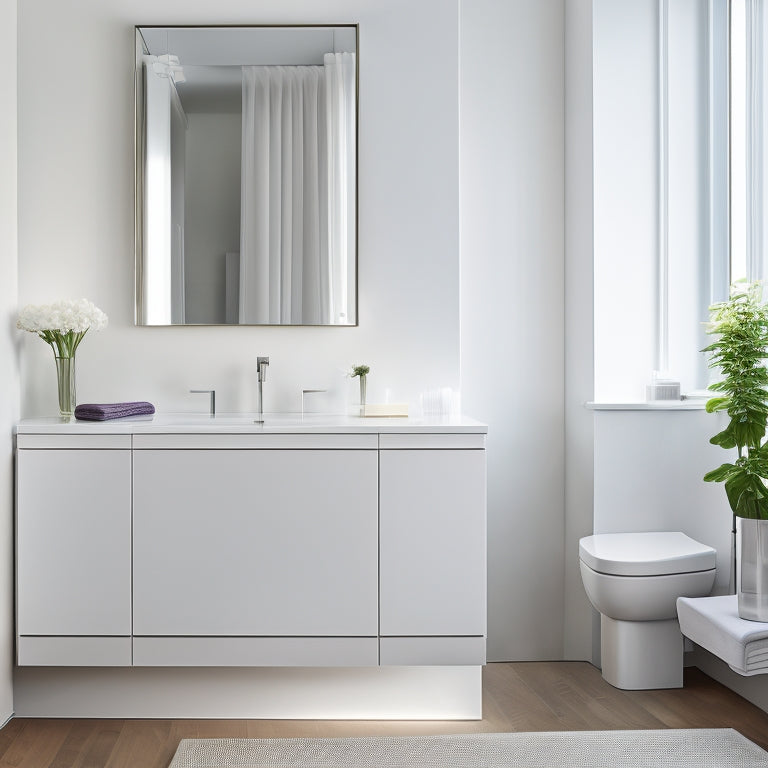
752, 568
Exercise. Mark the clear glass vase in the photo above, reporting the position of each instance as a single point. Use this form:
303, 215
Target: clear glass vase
65, 377
362, 395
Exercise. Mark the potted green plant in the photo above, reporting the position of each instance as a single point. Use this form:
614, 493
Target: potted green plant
740, 327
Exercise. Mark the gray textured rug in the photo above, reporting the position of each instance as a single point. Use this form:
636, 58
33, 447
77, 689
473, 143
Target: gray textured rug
705, 748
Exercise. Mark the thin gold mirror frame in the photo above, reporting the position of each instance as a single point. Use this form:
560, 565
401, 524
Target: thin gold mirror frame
143, 309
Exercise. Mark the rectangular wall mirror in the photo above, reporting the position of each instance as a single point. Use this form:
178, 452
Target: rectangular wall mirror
246, 175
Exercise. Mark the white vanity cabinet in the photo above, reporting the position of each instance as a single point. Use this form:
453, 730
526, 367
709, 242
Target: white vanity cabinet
174, 542
73, 554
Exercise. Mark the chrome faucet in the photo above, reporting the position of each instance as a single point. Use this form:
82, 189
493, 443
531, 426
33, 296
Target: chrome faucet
261, 371
212, 393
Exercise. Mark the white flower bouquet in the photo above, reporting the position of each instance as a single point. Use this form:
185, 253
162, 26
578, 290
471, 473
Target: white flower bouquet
62, 324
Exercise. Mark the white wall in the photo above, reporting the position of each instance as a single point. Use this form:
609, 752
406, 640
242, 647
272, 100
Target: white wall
76, 210
512, 188
9, 370
579, 340
649, 466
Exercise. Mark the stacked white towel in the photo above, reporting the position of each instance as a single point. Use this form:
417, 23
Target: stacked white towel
714, 624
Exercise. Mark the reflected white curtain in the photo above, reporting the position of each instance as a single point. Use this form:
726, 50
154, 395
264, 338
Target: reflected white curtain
291, 189
283, 209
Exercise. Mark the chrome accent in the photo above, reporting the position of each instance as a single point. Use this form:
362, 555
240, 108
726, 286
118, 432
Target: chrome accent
212, 393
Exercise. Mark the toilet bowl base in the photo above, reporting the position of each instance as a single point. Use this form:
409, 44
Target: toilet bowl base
641, 655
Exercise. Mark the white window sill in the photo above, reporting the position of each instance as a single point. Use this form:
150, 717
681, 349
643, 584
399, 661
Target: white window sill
692, 404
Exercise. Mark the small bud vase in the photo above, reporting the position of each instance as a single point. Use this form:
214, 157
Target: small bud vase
65, 376
362, 394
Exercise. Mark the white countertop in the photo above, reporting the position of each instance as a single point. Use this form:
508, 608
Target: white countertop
237, 423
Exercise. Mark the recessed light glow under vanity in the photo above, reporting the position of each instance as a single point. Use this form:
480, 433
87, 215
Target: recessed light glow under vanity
183, 542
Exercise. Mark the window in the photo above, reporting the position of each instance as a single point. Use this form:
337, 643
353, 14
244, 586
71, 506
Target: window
749, 153
661, 190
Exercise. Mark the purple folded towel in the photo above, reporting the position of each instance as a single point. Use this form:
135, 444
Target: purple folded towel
104, 411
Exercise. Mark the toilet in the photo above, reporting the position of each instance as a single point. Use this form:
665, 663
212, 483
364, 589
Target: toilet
634, 580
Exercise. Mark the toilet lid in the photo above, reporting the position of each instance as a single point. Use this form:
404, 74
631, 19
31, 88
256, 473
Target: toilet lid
645, 554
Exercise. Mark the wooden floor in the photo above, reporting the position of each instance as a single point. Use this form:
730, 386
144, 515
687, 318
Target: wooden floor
533, 696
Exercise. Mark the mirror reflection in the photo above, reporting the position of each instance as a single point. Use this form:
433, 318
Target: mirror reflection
246, 198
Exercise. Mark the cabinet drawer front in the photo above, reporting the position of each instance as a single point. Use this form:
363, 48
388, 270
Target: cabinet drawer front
280, 543
73, 532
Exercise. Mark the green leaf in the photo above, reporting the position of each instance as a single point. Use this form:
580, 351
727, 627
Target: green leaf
745, 488
745, 432
717, 404
724, 439
723, 472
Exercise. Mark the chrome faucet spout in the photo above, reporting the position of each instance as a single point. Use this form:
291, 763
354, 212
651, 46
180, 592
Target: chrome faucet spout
261, 375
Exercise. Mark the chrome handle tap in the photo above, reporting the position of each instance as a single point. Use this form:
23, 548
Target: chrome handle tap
212, 393
261, 375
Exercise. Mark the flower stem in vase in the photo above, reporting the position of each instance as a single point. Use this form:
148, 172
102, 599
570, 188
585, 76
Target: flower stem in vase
65, 376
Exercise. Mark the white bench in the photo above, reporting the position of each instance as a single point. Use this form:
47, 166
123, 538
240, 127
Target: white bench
714, 624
